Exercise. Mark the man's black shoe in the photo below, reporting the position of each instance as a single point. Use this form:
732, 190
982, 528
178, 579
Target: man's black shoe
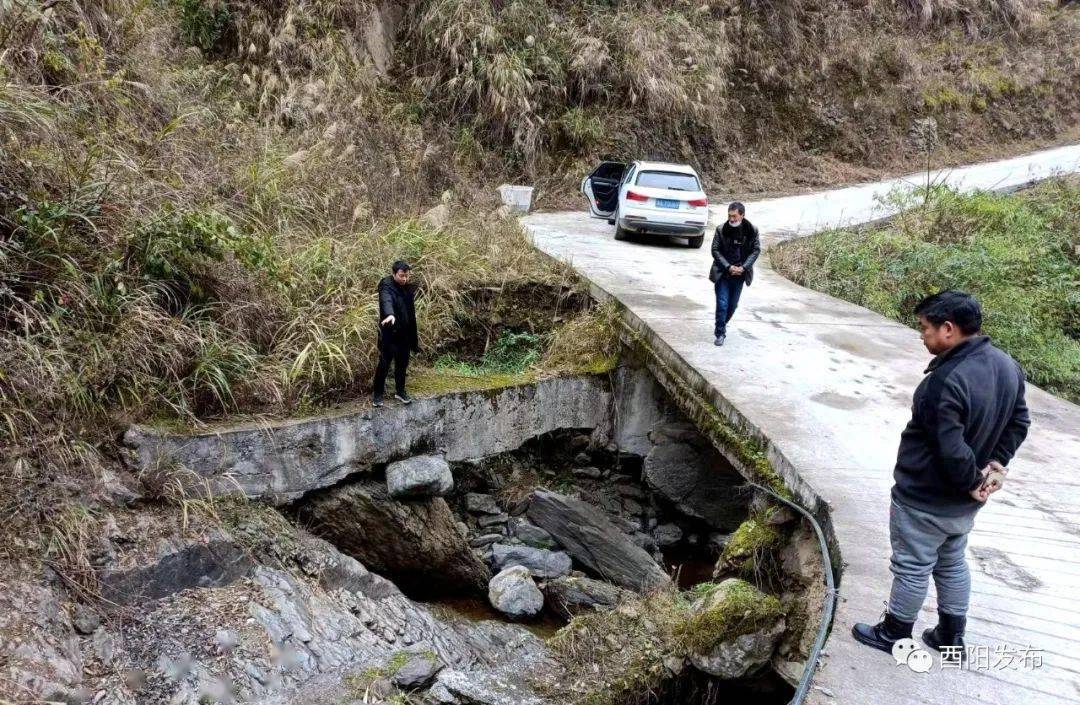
883, 634
403, 397
719, 340
948, 632
377, 401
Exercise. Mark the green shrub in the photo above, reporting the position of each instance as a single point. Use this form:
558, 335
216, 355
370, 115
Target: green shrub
204, 23
182, 252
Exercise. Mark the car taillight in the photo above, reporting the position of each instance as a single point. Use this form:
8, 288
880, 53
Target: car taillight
698, 202
636, 196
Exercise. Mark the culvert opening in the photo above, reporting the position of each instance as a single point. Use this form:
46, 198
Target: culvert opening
678, 505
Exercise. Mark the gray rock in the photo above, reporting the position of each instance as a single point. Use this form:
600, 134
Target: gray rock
571, 595
647, 542
589, 473
667, 535
540, 562
178, 565
582, 459
420, 667
381, 688
481, 504
407, 542
420, 476
283, 461
532, 535
698, 481
594, 542
485, 540
484, 688
462, 528
437, 217
85, 620
740, 655
625, 525
489, 520
677, 432
632, 491
513, 592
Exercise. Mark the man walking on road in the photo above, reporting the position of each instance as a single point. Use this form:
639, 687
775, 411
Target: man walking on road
397, 331
735, 248
968, 418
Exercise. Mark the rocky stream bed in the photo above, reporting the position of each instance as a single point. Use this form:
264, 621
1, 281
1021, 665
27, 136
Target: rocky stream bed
595, 562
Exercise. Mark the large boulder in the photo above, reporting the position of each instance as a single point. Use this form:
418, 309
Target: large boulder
415, 544
514, 593
595, 542
540, 562
420, 476
571, 595
698, 481
733, 630
177, 564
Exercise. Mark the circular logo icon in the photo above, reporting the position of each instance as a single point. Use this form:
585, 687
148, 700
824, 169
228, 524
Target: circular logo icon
902, 649
920, 661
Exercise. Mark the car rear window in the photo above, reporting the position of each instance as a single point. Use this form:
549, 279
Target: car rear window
668, 179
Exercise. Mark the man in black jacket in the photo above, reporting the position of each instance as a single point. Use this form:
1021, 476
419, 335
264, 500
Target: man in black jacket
735, 248
397, 331
968, 418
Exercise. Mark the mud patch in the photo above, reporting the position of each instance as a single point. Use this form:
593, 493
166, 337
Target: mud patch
837, 401
857, 344
997, 564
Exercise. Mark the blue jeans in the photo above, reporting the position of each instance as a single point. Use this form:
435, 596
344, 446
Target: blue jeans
728, 291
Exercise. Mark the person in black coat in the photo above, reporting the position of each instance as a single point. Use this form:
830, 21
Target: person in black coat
968, 418
735, 248
397, 331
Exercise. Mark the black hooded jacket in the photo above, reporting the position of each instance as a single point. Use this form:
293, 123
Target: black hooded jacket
739, 246
397, 301
967, 411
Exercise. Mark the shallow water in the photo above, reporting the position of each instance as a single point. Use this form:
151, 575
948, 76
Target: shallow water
478, 609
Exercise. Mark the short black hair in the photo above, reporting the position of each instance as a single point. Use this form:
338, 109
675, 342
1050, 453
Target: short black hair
737, 206
398, 265
961, 308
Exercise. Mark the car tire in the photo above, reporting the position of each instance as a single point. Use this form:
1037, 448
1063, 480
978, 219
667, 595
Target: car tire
696, 242
620, 234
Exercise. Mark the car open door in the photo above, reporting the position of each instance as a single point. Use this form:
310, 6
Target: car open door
601, 187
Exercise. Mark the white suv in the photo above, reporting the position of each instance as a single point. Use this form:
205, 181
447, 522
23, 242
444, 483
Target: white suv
649, 197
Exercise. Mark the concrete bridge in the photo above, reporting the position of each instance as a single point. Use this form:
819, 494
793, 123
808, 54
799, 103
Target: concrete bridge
828, 385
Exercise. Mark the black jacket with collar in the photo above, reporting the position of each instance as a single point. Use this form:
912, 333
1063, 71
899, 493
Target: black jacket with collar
730, 244
967, 411
397, 301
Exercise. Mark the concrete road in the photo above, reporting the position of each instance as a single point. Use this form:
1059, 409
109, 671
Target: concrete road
829, 384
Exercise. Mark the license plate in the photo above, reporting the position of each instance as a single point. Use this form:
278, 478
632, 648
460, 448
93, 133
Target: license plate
665, 203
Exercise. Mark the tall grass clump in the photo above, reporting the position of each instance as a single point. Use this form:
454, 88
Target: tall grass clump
1017, 253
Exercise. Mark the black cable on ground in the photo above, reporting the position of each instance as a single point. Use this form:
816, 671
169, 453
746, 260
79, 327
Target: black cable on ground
830, 598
